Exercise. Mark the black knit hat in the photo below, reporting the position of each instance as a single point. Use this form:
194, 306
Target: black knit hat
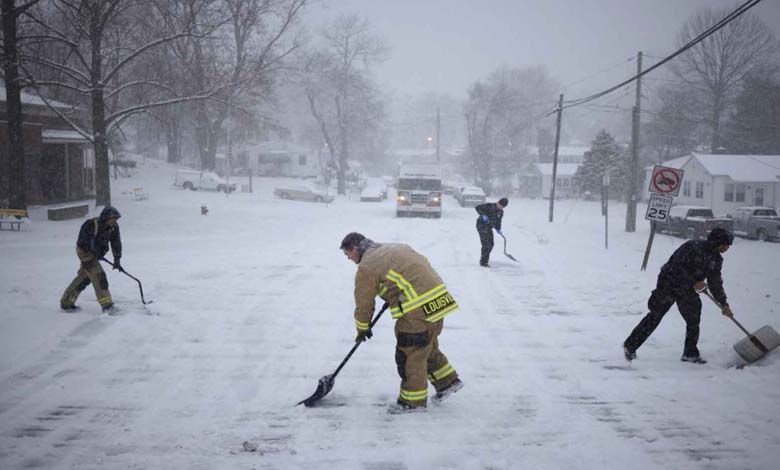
352, 240
503, 201
720, 236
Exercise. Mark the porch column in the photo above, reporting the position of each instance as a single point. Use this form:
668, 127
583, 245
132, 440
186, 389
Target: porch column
67, 172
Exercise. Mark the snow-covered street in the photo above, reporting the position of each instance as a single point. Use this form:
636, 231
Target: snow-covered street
253, 304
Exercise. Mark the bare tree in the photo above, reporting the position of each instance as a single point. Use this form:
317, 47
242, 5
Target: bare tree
342, 96
673, 127
17, 178
715, 67
105, 40
502, 115
253, 45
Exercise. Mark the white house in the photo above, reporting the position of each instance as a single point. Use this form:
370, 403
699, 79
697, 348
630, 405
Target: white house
536, 180
273, 159
725, 182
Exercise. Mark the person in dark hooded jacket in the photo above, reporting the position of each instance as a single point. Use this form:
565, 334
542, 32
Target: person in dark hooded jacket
490, 216
95, 236
680, 281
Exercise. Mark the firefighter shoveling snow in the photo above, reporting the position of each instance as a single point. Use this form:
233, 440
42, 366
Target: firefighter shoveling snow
256, 301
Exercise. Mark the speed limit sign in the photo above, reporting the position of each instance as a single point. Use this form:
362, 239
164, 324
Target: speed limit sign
658, 207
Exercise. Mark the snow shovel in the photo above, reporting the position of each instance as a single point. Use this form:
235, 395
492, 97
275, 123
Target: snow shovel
326, 382
505, 253
140, 287
757, 344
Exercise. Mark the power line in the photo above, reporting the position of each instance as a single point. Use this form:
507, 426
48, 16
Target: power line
711, 30
608, 69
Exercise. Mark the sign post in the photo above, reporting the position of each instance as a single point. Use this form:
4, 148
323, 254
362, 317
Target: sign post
605, 184
664, 186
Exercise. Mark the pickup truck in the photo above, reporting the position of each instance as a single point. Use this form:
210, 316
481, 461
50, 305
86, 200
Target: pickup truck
194, 180
694, 222
758, 222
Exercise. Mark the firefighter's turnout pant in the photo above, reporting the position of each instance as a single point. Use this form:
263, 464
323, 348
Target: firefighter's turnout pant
661, 300
90, 272
486, 238
419, 359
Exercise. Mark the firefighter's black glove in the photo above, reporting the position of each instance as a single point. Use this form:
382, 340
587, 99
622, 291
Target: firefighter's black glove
117, 264
363, 335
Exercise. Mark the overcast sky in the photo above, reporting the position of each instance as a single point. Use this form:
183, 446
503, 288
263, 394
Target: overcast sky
445, 45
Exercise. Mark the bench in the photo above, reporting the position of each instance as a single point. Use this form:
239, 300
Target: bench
12, 217
140, 194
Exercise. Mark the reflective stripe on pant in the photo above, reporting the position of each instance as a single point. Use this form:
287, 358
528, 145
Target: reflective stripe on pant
90, 272
419, 360
661, 300
486, 238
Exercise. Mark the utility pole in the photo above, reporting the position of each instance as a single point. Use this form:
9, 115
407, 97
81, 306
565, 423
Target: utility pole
555, 156
438, 134
634, 167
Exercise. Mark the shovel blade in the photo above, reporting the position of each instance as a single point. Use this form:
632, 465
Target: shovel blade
758, 344
510, 257
324, 387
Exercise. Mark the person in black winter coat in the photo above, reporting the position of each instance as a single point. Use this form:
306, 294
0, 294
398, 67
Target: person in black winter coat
95, 236
490, 215
679, 281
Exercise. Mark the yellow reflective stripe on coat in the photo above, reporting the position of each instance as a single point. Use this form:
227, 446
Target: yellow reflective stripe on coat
414, 395
382, 291
361, 326
402, 284
442, 313
442, 372
412, 304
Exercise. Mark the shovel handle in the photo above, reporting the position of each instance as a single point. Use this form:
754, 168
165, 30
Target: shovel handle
354, 348
708, 294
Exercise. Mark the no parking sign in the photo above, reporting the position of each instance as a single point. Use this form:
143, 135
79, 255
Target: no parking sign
666, 180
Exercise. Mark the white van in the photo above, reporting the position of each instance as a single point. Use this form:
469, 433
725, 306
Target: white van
194, 180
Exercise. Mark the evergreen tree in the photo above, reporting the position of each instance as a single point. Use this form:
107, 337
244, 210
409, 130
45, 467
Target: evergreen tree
605, 157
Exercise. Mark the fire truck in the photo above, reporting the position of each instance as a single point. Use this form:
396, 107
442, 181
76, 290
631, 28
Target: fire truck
419, 191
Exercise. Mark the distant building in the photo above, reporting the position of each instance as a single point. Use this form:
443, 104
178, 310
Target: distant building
278, 158
566, 154
725, 182
535, 180
60, 164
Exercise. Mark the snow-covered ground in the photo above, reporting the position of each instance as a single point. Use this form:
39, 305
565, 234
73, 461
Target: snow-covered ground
253, 304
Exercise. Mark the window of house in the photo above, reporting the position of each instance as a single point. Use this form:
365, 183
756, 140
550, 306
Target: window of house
699, 190
687, 188
301, 159
728, 193
740, 193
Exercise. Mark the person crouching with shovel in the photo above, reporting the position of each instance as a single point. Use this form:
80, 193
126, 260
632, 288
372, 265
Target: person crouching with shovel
680, 281
419, 301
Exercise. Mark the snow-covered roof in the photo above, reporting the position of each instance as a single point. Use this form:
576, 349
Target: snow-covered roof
674, 163
61, 136
34, 100
564, 169
742, 168
563, 150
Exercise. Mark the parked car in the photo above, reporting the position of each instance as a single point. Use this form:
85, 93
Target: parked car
471, 196
301, 193
693, 222
759, 222
373, 192
194, 180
